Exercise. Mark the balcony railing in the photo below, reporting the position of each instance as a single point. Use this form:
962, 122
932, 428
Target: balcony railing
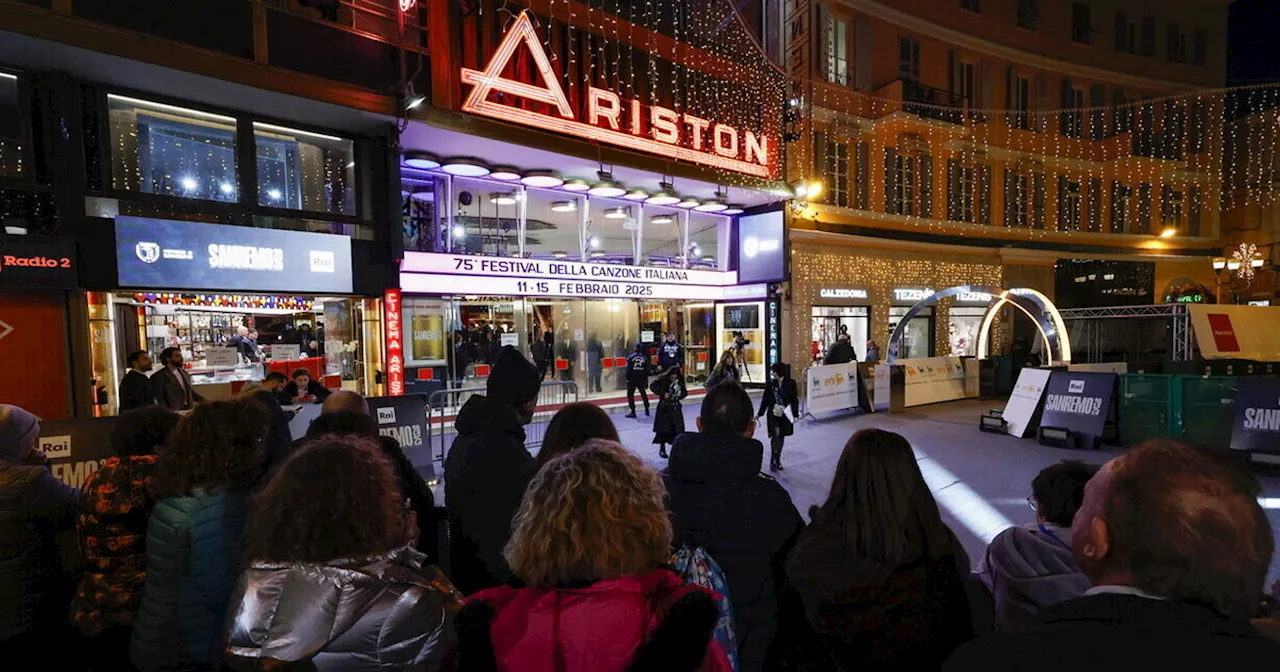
932, 103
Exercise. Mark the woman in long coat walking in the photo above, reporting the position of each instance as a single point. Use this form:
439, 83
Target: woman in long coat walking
780, 395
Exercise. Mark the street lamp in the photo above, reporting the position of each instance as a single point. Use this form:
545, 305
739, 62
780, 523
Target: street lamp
1237, 268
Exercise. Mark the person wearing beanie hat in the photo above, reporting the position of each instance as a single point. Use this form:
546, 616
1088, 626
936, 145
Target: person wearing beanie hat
487, 469
34, 507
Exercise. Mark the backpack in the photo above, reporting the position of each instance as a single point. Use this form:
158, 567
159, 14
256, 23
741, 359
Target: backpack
696, 566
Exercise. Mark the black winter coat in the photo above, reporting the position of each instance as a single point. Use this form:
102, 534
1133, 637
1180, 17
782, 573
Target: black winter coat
668, 421
486, 473
785, 395
841, 352
718, 499
862, 614
34, 506
1112, 632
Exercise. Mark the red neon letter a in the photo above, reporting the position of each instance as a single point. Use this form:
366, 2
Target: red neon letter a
492, 80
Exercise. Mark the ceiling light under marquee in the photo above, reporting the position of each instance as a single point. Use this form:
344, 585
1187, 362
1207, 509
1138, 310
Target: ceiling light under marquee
420, 160
732, 209
636, 195
501, 198
463, 167
564, 206
615, 213
544, 179
661, 219
710, 206
687, 203
606, 190
505, 173
576, 185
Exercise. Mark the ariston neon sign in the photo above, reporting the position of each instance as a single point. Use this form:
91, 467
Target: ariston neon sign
610, 119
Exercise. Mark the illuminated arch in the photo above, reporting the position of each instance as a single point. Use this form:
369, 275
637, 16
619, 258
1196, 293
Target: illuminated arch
1037, 306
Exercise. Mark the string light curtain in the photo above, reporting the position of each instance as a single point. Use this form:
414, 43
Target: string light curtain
1169, 164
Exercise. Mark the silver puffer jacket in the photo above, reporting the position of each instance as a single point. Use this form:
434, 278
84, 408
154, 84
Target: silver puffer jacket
382, 613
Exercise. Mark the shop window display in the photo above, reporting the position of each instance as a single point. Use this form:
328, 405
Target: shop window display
917, 339
706, 233
612, 232
828, 322
421, 214
964, 323
11, 128
172, 151
662, 240
300, 170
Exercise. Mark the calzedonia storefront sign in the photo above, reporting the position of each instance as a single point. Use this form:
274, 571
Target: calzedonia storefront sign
609, 118
428, 273
165, 254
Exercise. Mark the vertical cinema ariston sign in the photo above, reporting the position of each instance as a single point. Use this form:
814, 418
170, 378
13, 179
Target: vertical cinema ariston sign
610, 118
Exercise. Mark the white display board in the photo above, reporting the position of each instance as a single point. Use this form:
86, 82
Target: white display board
221, 358
929, 380
512, 340
833, 388
1025, 401
286, 353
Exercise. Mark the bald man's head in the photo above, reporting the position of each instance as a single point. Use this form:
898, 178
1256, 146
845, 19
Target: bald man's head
345, 401
1177, 521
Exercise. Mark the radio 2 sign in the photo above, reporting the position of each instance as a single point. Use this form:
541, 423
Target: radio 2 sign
609, 118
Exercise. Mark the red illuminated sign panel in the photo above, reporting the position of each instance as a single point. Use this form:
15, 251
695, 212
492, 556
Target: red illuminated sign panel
391, 316
610, 119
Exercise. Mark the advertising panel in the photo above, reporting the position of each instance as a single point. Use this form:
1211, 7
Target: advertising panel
392, 314
1022, 409
404, 418
761, 248
1257, 422
833, 388
929, 380
165, 254
37, 262
76, 447
1236, 332
1080, 402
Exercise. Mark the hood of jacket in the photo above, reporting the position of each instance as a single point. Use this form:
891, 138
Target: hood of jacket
1029, 571
480, 414
710, 458
291, 612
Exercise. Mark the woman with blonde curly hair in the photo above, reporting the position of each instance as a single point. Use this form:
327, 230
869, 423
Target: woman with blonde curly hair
588, 542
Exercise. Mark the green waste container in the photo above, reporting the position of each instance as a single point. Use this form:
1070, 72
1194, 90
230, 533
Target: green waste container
1146, 407
1205, 408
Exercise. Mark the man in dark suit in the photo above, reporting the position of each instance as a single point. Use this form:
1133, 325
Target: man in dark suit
135, 388
1176, 546
172, 385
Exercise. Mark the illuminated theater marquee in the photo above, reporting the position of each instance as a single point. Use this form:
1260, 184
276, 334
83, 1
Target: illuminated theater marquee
610, 118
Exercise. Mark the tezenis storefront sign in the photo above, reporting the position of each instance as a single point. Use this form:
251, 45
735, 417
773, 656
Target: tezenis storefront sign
610, 118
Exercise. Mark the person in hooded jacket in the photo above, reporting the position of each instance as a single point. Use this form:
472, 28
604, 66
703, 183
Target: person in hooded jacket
668, 421
589, 543
34, 507
193, 546
878, 575
112, 529
745, 520
335, 580
487, 469
1030, 568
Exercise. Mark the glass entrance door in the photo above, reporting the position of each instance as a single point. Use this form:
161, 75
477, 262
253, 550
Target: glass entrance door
830, 321
917, 339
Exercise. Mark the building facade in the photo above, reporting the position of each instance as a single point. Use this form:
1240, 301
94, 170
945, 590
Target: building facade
197, 169
1003, 143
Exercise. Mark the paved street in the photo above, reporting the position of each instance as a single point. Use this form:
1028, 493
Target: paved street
981, 480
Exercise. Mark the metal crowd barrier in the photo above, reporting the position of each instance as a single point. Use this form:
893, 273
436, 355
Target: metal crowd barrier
443, 407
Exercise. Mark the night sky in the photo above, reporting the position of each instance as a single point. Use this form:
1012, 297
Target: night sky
1254, 52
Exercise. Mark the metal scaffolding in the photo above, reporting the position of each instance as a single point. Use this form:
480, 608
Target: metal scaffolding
1087, 340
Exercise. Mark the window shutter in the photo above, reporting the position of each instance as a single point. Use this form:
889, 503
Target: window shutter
823, 44
953, 190
821, 162
1148, 36
1193, 218
1144, 208
1171, 42
988, 93
1117, 217
1200, 47
1097, 117
984, 193
926, 186
1010, 197
862, 187
1122, 32
1008, 95
862, 54
1095, 205
891, 204
1166, 203
953, 76
1063, 224
1038, 201
1064, 118
915, 59
1042, 100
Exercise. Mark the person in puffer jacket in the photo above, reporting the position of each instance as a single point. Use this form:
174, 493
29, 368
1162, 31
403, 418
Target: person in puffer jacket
112, 529
193, 546
34, 507
1030, 568
335, 581
589, 541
